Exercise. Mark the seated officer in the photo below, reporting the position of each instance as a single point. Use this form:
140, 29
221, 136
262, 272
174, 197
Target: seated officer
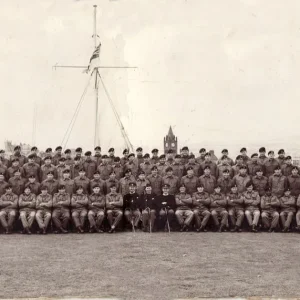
114, 208
287, 209
201, 203
184, 211
131, 202
96, 210
27, 204
43, 209
61, 209
235, 205
79, 203
218, 208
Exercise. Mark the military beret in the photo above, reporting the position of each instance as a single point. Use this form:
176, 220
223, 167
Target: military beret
113, 185
243, 167
139, 149
189, 168
31, 176
147, 155
170, 158
224, 157
207, 168
16, 171
77, 158
191, 156
207, 154
131, 154
142, 173
97, 172
117, 158
67, 151
202, 150
254, 154
98, 186
185, 148
239, 157
234, 186
200, 185
97, 148
62, 159
88, 153
44, 188
177, 156
262, 149
48, 157
295, 168
170, 151
58, 148
66, 171
243, 150
281, 151
2, 151
168, 169
125, 151
288, 157
248, 184
17, 148
226, 171
1, 173
48, 150
104, 156
50, 173
162, 156
61, 187
182, 186
112, 172
154, 151
128, 171
27, 187
81, 170
15, 159
259, 170
79, 187
78, 149
270, 152
224, 151
31, 156
287, 190
33, 148
217, 186
277, 168
154, 168
111, 150
166, 186
8, 187
132, 184
148, 185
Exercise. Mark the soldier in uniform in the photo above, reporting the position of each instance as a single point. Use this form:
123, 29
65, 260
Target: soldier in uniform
27, 205
201, 204
225, 182
241, 179
31, 168
212, 165
287, 166
96, 211
3, 184
78, 154
192, 163
118, 168
141, 183
154, 159
184, 155
255, 165
50, 183
124, 159
298, 213
287, 209
245, 157
277, 182
3, 169
131, 202
43, 209
97, 155
114, 207
17, 154
184, 213
252, 201
260, 182
281, 157
61, 209
76, 167
17, 183
218, 208
262, 155
171, 180
124, 182
178, 167
8, 209
162, 166
208, 181
89, 165
235, 205
67, 182
146, 165
15, 166
149, 206
37, 159
156, 181
3, 159
79, 204
269, 205
105, 168
46, 168
57, 156
270, 164
61, 167
170, 157
139, 156
224, 165
190, 181
82, 181
33, 185
69, 160
201, 158
112, 180
111, 156
49, 153
293, 182
239, 163
229, 161
97, 181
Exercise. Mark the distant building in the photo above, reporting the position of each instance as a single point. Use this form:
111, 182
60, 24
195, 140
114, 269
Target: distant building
170, 142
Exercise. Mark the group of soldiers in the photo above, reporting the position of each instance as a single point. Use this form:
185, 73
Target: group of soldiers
148, 192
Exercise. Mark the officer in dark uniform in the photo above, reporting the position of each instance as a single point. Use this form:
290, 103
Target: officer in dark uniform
281, 157
154, 159
131, 206
111, 156
97, 155
139, 155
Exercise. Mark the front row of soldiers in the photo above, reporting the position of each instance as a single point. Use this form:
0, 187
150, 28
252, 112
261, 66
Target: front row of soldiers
155, 212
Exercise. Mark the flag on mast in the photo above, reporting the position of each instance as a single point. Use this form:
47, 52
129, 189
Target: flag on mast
94, 57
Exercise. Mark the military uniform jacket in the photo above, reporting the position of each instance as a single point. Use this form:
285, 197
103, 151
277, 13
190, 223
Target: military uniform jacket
281, 160
195, 167
18, 184
169, 200
69, 162
140, 185
75, 169
260, 184
146, 167
223, 167
269, 203
262, 159
173, 181
79, 202
3, 185
8, 201
3, 169
209, 183
154, 160
183, 201
253, 167
45, 169
270, 166
55, 159
200, 159
218, 202
84, 182
44, 199
10, 171
118, 169
61, 201
32, 169
294, 184
133, 166
139, 159
22, 159
69, 185
178, 170
105, 170
213, 168
52, 185
124, 160
148, 201
277, 184
98, 159
288, 204
184, 159
27, 202
114, 201
96, 202
109, 182
131, 201
34, 186
100, 183
237, 203
201, 201
251, 200
124, 184
225, 183
190, 183
156, 183
90, 167
60, 169
286, 169
241, 181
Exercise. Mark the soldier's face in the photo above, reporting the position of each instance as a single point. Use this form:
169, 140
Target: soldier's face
185, 152
17, 174
192, 160
250, 188
128, 174
288, 161
79, 191
277, 172
234, 190
207, 158
207, 171
155, 154
254, 158
281, 155
1, 178
244, 153
112, 176
162, 161
139, 153
226, 175
50, 176
225, 161
66, 175
182, 189
177, 160
262, 153
170, 173
48, 161
8, 190
31, 180
126, 154
96, 176
243, 171
259, 174
271, 155
88, 157
44, 192
294, 172
15, 163
154, 172
217, 190
61, 191
81, 174
96, 190
142, 176
113, 189
148, 189
131, 189
27, 191
165, 190
97, 152
17, 151
59, 151
131, 158
190, 173
146, 159
200, 189
202, 154
30, 160
287, 193
240, 161
111, 153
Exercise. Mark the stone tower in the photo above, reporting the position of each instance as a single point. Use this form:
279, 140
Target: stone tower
170, 142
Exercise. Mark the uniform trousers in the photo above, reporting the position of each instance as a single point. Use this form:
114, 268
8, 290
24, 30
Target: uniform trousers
43, 218
133, 216
252, 216
201, 216
286, 218
148, 215
114, 216
96, 217
79, 217
268, 216
236, 216
61, 217
223, 214
7, 217
184, 216
27, 217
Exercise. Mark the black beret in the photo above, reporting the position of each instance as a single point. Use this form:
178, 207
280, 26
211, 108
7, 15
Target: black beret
17, 148
66, 171
207, 167
168, 169
243, 167
131, 154
191, 156
243, 149
254, 154
139, 149
88, 153
61, 187
202, 150
104, 156
258, 170
97, 172
270, 152
248, 184
117, 158
62, 159
278, 168
189, 168
125, 151
132, 184
170, 151
224, 157
224, 150
67, 151
207, 154
177, 156
154, 151
147, 155
111, 150
217, 186
27, 187
281, 151
162, 156
295, 168
58, 148
200, 185
166, 186
48, 150
142, 172
128, 171
48, 157
113, 185
287, 189
8, 187
78, 149
79, 187
226, 171
262, 149
182, 185
81, 170
154, 168
33, 148
77, 158
112, 172
234, 186
288, 157
148, 185
31, 156
2, 151
239, 157
97, 148
50, 172
185, 148
1, 173
15, 159
31, 176
44, 188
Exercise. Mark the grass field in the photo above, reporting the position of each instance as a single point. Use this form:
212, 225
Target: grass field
156, 266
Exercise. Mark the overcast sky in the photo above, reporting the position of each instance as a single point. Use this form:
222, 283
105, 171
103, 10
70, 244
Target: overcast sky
220, 72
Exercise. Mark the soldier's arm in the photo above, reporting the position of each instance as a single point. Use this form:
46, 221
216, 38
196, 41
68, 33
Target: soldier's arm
49, 203
21, 204
292, 201
67, 202
275, 201
120, 203
257, 200
177, 200
239, 200
222, 202
73, 202
206, 201
263, 203
194, 199
270, 182
54, 201
188, 200
85, 201
33, 202
248, 201
298, 201
108, 205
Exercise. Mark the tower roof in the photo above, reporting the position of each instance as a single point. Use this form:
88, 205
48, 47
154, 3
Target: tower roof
170, 133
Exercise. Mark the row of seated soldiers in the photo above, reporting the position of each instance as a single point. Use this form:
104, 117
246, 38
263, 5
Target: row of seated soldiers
276, 173
225, 210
